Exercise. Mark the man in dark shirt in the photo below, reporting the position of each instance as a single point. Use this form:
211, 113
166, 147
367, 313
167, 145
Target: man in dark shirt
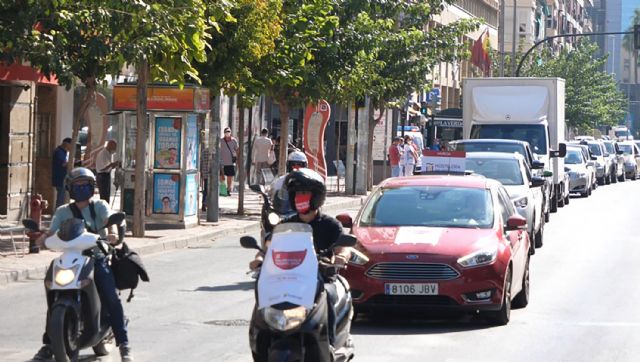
59, 170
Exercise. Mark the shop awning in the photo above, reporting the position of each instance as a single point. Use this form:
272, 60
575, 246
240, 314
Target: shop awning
19, 72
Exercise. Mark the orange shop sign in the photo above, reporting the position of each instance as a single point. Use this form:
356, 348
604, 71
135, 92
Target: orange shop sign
159, 98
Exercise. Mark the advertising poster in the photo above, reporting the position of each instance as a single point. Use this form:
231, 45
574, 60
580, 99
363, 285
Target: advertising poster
166, 190
316, 118
167, 149
192, 142
443, 161
191, 195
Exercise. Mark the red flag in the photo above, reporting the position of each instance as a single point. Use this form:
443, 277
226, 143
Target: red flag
480, 53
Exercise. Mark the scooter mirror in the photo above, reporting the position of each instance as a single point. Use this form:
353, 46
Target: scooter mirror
345, 220
249, 242
115, 219
346, 240
257, 188
30, 224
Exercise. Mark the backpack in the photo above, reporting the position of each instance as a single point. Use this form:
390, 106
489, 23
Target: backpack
127, 269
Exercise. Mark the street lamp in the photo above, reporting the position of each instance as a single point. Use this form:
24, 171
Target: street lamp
613, 53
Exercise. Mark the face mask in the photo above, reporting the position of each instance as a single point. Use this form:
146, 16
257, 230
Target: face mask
81, 192
303, 202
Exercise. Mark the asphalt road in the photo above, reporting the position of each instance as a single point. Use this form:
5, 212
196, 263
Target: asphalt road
583, 302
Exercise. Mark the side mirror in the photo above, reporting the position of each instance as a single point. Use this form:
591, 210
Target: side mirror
547, 174
345, 220
345, 240
537, 165
249, 242
594, 158
516, 222
561, 152
537, 182
567, 169
31, 225
619, 152
115, 219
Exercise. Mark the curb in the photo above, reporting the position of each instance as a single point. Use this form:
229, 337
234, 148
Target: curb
177, 243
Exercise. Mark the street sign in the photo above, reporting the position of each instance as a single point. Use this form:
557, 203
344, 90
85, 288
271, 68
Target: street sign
433, 95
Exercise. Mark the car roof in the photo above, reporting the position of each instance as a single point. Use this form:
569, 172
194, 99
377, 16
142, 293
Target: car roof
627, 143
467, 181
496, 155
491, 140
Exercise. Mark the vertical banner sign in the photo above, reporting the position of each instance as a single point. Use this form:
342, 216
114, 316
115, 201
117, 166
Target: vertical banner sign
192, 142
168, 135
191, 195
316, 117
166, 190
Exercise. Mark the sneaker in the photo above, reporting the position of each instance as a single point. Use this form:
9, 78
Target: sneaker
125, 353
44, 354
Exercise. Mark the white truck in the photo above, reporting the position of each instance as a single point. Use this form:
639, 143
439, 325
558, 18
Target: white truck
526, 109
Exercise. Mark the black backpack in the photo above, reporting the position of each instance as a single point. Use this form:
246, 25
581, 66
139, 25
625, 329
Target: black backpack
127, 269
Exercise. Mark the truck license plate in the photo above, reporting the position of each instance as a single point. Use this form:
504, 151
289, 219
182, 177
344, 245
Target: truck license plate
411, 288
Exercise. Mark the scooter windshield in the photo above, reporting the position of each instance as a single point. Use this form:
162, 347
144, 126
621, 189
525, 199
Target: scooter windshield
290, 269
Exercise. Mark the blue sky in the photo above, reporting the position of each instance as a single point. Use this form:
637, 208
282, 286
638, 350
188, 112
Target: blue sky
627, 11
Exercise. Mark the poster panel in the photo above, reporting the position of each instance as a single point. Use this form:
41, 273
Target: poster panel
167, 145
316, 118
443, 161
192, 142
191, 195
166, 191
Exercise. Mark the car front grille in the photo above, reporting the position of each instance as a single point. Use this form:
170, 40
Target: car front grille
412, 271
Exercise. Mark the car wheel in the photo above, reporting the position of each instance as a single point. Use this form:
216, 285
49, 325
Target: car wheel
607, 178
586, 193
561, 201
538, 238
554, 204
635, 175
614, 177
522, 299
546, 216
623, 176
567, 199
501, 317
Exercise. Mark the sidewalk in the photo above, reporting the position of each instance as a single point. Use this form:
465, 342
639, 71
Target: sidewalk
33, 266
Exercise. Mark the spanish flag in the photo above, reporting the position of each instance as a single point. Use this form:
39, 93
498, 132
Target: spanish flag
480, 53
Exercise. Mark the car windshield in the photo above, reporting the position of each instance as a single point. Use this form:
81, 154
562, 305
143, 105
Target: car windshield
435, 206
504, 170
621, 133
573, 157
609, 147
595, 149
627, 149
490, 147
535, 134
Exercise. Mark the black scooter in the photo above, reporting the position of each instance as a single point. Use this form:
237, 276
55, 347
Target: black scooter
287, 331
75, 317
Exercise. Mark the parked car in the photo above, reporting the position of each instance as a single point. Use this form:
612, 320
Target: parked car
631, 154
617, 160
440, 243
602, 163
510, 146
580, 177
591, 163
524, 189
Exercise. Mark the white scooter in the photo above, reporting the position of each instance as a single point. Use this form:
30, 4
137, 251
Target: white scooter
75, 317
291, 317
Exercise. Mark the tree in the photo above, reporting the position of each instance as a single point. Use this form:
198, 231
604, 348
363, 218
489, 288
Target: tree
592, 97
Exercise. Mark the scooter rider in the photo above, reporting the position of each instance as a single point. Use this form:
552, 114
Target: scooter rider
278, 190
307, 193
80, 183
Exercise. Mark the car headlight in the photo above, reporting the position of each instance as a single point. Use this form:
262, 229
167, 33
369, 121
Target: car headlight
65, 276
521, 202
358, 257
286, 319
480, 257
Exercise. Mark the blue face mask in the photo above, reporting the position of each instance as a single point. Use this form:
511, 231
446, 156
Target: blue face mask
81, 192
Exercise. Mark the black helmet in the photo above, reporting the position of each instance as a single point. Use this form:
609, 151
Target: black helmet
71, 229
76, 175
305, 179
297, 159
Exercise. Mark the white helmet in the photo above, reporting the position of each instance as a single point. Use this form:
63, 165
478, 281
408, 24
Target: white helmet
296, 159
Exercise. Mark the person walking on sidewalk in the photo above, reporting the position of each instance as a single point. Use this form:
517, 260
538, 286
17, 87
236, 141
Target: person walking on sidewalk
262, 151
394, 157
59, 170
228, 154
104, 165
410, 156
204, 176
80, 183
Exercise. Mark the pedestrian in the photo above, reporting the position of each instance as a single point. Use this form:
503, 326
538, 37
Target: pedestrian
394, 157
410, 156
228, 154
262, 152
104, 165
204, 176
436, 145
59, 170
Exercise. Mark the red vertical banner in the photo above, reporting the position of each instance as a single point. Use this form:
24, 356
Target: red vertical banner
316, 117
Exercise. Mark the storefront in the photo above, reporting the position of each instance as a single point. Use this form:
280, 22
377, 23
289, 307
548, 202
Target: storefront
175, 118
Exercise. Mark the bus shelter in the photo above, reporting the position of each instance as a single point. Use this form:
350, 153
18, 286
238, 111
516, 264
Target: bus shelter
175, 118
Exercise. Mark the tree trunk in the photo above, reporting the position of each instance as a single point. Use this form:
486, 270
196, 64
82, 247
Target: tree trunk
363, 166
240, 161
284, 137
351, 148
142, 123
90, 84
213, 193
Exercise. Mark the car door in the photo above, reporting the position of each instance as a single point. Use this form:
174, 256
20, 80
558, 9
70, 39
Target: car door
535, 194
636, 155
516, 238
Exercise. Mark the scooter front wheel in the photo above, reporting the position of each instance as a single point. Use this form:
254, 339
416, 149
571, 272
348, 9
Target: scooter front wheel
63, 333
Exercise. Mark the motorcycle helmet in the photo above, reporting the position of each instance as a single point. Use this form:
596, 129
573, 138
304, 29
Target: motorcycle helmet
71, 229
296, 160
78, 190
305, 179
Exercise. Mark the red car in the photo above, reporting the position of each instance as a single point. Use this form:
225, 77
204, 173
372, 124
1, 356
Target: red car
440, 242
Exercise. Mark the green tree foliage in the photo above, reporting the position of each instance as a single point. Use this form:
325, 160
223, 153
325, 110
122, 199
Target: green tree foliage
592, 96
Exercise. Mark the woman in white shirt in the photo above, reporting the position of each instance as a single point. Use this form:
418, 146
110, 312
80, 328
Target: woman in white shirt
409, 158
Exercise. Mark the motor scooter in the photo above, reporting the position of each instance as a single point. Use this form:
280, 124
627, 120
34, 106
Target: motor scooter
75, 317
290, 320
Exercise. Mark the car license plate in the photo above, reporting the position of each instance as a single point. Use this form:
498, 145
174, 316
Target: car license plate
411, 288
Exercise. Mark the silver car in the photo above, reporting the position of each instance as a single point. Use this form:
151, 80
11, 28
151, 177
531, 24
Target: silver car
631, 158
617, 160
580, 177
524, 189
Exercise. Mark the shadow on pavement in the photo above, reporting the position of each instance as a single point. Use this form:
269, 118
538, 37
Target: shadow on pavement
227, 288
406, 323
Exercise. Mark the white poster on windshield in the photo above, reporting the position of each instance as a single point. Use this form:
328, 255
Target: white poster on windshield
289, 272
443, 161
